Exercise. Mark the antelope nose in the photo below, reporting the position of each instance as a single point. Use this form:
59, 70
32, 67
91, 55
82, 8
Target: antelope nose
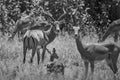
58, 31
75, 35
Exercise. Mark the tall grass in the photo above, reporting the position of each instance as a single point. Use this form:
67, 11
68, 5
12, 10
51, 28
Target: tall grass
12, 68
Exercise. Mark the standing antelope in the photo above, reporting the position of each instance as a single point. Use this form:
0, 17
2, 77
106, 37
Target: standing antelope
114, 27
97, 52
36, 39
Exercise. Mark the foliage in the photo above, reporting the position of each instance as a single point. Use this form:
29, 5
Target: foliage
91, 15
102, 12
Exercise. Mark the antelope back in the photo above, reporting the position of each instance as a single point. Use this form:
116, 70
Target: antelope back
105, 35
20, 24
38, 34
113, 27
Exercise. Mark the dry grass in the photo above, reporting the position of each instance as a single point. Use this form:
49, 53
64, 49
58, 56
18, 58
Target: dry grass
11, 67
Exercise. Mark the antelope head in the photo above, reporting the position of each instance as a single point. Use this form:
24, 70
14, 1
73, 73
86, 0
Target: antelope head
54, 22
76, 30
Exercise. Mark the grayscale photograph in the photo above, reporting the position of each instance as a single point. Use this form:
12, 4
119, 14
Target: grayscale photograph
59, 39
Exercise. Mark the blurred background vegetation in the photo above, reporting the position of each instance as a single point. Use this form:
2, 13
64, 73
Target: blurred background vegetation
92, 15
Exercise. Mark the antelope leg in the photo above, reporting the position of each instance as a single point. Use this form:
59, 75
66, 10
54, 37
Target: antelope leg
38, 55
24, 52
116, 36
48, 50
33, 53
43, 53
86, 70
92, 69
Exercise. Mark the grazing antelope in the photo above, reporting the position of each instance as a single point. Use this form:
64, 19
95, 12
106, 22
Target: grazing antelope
97, 52
21, 25
114, 27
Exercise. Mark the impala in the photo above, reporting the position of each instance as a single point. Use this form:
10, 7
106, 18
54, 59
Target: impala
38, 39
114, 27
97, 52
21, 25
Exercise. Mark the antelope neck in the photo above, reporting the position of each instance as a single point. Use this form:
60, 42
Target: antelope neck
105, 35
80, 45
51, 34
15, 31
81, 49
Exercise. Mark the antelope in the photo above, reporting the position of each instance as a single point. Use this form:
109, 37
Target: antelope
21, 25
38, 39
97, 52
114, 27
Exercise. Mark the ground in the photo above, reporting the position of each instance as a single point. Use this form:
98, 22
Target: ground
12, 68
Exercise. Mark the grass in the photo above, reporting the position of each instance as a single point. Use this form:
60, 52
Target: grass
12, 68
